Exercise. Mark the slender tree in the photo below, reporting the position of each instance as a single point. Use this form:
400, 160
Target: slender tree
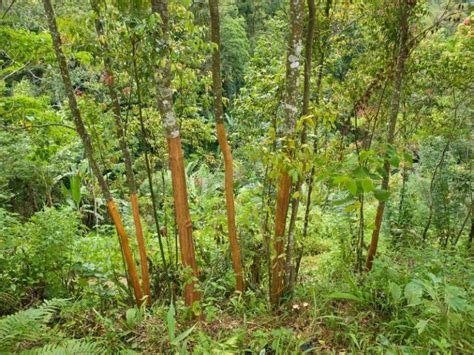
109, 81
405, 9
225, 147
323, 47
293, 64
176, 161
86, 141
289, 269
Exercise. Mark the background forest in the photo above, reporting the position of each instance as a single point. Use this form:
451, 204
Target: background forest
236, 176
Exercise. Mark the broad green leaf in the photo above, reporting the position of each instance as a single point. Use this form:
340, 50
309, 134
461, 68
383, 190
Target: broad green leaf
367, 184
455, 298
360, 172
76, 188
394, 160
352, 207
395, 291
413, 293
421, 325
351, 185
381, 195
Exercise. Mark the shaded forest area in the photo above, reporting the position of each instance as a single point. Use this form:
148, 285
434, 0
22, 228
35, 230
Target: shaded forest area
236, 176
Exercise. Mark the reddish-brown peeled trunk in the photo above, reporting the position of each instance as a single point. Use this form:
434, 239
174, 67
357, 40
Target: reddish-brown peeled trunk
127, 252
278, 268
183, 218
176, 161
224, 145
89, 152
141, 246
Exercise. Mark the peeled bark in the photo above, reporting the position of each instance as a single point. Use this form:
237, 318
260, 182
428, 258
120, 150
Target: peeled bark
130, 176
225, 147
86, 141
293, 64
176, 161
394, 108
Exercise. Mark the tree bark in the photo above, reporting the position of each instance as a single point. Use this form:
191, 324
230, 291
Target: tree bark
130, 176
176, 161
225, 147
86, 141
293, 64
394, 108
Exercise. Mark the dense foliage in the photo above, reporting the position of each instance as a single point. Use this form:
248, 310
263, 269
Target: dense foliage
386, 141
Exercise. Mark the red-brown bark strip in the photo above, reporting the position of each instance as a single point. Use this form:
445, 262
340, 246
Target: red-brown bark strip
176, 160
225, 147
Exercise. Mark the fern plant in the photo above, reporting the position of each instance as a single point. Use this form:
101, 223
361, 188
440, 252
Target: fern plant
28, 327
68, 347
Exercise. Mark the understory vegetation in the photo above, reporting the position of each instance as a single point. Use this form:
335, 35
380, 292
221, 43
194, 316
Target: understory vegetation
248, 177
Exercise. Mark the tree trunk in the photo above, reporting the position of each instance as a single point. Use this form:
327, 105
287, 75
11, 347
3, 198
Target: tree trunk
86, 141
394, 108
313, 169
147, 163
437, 168
293, 64
130, 176
289, 268
176, 161
226, 151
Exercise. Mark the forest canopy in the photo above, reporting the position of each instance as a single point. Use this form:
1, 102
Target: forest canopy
235, 176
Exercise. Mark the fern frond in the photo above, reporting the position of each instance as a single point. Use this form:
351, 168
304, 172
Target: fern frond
68, 347
28, 326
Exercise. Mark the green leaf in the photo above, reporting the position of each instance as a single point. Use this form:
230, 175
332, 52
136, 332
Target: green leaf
340, 179
395, 291
421, 325
413, 293
381, 195
352, 207
171, 322
183, 335
394, 160
455, 298
360, 172
351, 185
408, 158
367, 184
343, 296
76, 188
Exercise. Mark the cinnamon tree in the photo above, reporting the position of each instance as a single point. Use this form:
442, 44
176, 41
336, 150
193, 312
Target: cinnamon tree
289, 267
293, 65
89, 152
109, 80
176, 161
224, 145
